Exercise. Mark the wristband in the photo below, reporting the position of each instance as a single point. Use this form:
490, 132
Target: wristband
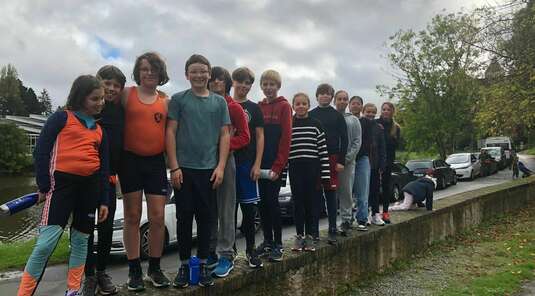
174, 170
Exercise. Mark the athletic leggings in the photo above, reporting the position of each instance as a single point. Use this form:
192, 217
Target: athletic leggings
386, 183
306, 195
248, 224
270, 212
375, 183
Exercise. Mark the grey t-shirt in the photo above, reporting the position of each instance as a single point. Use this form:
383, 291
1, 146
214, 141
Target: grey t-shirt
200, 120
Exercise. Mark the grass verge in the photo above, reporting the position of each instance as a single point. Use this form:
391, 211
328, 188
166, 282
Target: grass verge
495, 258
15, 255
530, 151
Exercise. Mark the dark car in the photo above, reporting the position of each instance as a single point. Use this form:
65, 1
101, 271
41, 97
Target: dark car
489, 166
401, 175
436, 168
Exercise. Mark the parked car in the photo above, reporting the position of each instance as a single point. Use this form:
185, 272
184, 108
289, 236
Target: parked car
466, 165
498, 154
401, 175
117, 246
488, 167
286, 202
436, 168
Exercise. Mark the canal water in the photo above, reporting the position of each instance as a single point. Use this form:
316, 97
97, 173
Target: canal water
22, 225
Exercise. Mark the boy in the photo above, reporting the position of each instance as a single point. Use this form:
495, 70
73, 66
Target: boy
223, 232
335, 128
248, 160
197, 162
346, 177
112, 120
277, 114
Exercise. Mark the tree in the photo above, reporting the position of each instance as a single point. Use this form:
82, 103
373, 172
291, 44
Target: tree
435, 82
14, 156
10, 97
46, 103
29, 99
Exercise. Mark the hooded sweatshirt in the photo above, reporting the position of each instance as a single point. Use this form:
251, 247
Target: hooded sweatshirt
335, 130
240, 136
277, 133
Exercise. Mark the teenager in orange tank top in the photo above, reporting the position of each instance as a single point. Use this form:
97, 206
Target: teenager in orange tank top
143, 167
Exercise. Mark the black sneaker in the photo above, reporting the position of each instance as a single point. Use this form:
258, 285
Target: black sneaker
135, 281
331, 238
205, 279
264, 249
105, 285
310, 244
182, 277
362, 226
158, 279
345, 228
253, 260
276, 254
212, 261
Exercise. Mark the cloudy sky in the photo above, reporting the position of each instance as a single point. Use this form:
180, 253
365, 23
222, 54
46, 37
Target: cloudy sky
307, 41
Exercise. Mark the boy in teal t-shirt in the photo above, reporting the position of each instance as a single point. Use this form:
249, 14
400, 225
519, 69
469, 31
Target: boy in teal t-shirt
197, 145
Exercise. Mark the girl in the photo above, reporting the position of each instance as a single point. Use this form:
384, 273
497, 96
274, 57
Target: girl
112, 120
377, 161
71, 161
308, 161
391, 134
143, 166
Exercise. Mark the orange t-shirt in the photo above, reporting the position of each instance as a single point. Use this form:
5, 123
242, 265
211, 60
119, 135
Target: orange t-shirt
76, 150
144, 129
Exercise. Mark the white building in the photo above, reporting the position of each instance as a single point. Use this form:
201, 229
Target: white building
32, 125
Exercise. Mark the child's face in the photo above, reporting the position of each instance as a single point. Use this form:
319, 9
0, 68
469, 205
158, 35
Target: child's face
148, 76
218, 86
370, 112
301, 106
94, 102
386, 111
112, 88
198, 75
355, 107
270, 88
341, 101
241, 89
324, 99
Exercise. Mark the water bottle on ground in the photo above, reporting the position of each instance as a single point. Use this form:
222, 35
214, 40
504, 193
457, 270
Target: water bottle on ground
194, 270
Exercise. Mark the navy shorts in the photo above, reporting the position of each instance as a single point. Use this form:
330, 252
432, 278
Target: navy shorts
246, 188
143, 173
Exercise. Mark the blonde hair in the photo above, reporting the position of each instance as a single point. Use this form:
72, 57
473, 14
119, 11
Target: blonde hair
271, 75
301, 94
395, 126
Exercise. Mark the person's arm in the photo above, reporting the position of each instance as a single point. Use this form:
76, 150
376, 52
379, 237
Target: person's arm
325, 172
241, 136
224, 145
124, 95
43, 149
173, 114
104, 176
284, 141
342, 131
355, 132
255, 170
379, 135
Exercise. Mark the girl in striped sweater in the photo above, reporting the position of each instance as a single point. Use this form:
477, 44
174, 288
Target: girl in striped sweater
308, 161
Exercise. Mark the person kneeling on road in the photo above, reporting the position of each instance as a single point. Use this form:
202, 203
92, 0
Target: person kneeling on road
415, 193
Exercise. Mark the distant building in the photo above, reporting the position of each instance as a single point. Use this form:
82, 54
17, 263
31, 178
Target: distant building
32, 125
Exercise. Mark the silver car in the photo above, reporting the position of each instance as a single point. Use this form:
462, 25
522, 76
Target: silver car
466, 165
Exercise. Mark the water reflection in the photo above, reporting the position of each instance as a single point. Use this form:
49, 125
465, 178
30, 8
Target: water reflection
23, 224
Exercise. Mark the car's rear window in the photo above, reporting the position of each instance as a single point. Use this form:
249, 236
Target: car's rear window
414, 165
455, 159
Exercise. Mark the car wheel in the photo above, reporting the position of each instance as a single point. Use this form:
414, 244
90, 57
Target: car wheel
144, 242
441, 183
454, 182
396, 193
472, 177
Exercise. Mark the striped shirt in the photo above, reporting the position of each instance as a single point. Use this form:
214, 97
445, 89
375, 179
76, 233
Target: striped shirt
309, 144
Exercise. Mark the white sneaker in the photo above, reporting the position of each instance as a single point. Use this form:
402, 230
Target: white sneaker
369, 222
376, 220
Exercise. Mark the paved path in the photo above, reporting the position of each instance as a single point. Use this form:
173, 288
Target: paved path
53, 282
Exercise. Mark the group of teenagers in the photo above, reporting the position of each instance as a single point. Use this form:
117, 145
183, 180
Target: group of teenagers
221, 152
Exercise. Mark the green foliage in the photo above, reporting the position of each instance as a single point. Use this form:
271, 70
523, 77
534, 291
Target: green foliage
10, 97
436, 88
15, 255
46, 103
14, 153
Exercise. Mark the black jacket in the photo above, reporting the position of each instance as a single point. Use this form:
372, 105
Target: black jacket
421, 190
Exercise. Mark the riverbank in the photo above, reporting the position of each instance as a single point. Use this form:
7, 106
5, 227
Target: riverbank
495, 258
14, 255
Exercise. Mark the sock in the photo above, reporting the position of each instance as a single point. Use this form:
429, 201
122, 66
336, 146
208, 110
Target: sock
154, 263
134, 265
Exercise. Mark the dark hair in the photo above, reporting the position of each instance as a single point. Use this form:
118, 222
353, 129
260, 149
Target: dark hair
110, 72
356, 98
301, 94
156, 63
242, 74
325, 88
197, 58
81, 87
222, 74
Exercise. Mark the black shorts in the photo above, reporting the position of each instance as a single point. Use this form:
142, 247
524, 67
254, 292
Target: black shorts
145, 173
72, 194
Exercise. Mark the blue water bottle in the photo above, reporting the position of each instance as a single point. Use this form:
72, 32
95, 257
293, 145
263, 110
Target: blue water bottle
16, 205
194, 270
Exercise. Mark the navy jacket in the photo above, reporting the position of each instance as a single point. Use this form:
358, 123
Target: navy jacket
421, 190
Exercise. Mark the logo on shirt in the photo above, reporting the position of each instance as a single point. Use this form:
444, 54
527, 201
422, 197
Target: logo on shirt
247, 115
158, 117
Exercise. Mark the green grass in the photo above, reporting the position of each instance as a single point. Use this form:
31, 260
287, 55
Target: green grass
530, 151
404, 156
15, 255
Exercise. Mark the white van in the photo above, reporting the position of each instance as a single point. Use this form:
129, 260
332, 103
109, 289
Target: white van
504, 142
